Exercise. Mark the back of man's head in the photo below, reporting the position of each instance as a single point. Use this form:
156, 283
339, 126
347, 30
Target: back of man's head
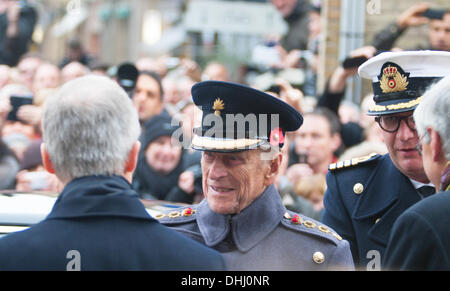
89, 128
433, 111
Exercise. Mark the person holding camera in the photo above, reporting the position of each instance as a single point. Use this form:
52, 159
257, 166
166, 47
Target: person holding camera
416, 15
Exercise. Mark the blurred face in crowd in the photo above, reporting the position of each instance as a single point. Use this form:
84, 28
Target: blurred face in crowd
27, 68
147, 98
439, 33
315, 140
285, 6
171, 92
72, 71
232, 181
163, 156
401, 147
47, 76
314, 25
215, 71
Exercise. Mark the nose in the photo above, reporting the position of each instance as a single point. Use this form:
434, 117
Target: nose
217, 169
307, 142
405, 133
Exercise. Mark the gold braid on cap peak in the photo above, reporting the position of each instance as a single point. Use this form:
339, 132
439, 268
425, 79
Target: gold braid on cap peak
403, 105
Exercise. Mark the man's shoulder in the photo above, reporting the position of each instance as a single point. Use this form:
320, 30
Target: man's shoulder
182, 215
293, 221
430, 208
314, 229
356, 164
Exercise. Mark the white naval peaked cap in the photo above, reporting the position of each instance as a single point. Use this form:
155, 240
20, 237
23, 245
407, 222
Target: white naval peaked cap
399, 79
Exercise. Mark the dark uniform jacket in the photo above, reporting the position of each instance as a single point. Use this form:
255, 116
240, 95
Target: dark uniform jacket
362, 203
264, 236
102, 219
420, 238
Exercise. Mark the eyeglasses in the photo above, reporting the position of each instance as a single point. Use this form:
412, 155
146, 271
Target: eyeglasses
419, 145
391, 123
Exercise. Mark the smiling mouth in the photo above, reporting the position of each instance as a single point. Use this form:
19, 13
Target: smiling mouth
220, 189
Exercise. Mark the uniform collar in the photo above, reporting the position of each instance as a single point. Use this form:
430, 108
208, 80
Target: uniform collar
98, 196
247, 228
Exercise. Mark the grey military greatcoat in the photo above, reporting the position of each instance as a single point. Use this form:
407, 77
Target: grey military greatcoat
264, 236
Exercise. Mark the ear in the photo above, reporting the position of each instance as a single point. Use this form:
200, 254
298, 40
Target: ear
131, 162
274, 168
436, 146
46, 161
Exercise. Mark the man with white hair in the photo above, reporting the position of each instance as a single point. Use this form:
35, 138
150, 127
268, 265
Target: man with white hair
90, 134
429, 218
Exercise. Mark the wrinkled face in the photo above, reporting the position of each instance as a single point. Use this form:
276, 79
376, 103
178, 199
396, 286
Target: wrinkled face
315, 140
439, 33
231, 181
163, 156
401, 147
147, 98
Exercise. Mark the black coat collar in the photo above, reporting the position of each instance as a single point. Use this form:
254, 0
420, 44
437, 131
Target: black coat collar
98, 196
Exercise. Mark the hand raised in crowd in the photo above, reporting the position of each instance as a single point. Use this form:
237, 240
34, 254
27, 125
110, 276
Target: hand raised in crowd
5, 107
413, 16
186, 182
298, 171
338, 78
40, 180
30, 114
292, 96
191, 69
13, 14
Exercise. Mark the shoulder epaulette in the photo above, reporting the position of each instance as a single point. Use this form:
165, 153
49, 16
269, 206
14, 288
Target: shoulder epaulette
353, 162
305, 224
179, 215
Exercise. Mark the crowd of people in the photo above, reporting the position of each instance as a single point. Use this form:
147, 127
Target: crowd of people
163, 100
334, 134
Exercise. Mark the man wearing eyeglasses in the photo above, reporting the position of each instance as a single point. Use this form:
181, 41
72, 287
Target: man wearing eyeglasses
430, 217
366, 195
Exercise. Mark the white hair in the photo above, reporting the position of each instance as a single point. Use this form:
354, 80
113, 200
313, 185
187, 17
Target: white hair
89, 128
433, 111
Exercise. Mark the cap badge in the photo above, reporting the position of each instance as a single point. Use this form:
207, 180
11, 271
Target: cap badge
392, 80
217, 106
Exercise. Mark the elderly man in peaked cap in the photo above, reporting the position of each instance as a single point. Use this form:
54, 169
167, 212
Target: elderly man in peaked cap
242, 215
366, 195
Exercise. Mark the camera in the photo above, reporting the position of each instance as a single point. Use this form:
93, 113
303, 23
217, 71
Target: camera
16, 103
434, 14
127, 75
